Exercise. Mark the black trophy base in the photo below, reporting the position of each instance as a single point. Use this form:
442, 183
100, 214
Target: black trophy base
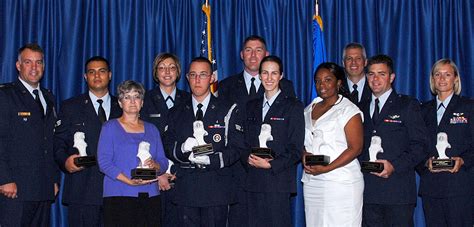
441, 164
85, 161
205, 149
144, 174
317, 160
376, 167
263, 152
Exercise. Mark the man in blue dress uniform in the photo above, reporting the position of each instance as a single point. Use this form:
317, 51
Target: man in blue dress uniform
85, 113
28, 174
204, 184
390, 196
354, 60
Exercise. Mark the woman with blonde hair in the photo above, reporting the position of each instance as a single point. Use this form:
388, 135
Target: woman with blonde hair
447, 192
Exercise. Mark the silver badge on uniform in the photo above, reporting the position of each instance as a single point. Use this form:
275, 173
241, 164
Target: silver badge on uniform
217, 138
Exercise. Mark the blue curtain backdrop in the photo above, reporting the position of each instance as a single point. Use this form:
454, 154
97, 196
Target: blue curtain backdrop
130, 33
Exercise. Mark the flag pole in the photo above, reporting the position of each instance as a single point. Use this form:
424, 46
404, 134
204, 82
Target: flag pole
316, 14
206, 8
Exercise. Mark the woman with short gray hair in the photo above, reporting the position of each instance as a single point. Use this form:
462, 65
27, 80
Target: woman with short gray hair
128, 201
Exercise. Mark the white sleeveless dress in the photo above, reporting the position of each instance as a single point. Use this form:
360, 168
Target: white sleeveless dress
334, 198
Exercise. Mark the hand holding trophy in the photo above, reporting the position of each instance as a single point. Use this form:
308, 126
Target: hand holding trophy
313, 160
265, 135
80, 144
443, 162
144, 171
202, 148
374, 149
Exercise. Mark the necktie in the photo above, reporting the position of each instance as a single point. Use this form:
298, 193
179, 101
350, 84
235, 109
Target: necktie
440, 112
199, 114
355, 94
101, 111
38, 101
266, 107
253, 90
169, 102
375, 115
441, 105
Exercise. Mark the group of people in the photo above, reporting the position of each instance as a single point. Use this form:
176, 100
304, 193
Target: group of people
255, 133
358, 112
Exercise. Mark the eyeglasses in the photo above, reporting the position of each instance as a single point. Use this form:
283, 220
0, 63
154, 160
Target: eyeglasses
200, 75
170, 67
129, 98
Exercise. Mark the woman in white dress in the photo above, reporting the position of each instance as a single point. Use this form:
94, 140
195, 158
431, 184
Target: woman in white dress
333, 127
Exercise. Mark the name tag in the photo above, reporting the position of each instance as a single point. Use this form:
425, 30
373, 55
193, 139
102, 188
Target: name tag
155, 115
24, 114
277, 119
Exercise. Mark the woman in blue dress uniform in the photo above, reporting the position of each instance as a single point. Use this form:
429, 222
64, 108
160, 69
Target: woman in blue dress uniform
270, 181
447, 193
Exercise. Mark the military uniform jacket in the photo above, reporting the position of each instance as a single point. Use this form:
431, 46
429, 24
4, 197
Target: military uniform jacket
78, 115
404, 140
213, 185
234, 90
457, 122
155, 109
366, 93
286, 119
26, 143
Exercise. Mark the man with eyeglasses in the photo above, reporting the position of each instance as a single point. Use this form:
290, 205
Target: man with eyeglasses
354, 60
28, 175
204, 184
85, 113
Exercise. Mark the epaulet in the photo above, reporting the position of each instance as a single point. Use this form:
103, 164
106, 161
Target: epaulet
6, 85
47, 90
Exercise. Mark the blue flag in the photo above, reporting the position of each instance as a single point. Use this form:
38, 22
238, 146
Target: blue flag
319, 56
319, 50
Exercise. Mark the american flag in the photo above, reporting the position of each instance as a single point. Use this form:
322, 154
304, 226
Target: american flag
206, 42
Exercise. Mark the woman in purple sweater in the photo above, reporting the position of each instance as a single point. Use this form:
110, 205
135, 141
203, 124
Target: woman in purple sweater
130, 202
